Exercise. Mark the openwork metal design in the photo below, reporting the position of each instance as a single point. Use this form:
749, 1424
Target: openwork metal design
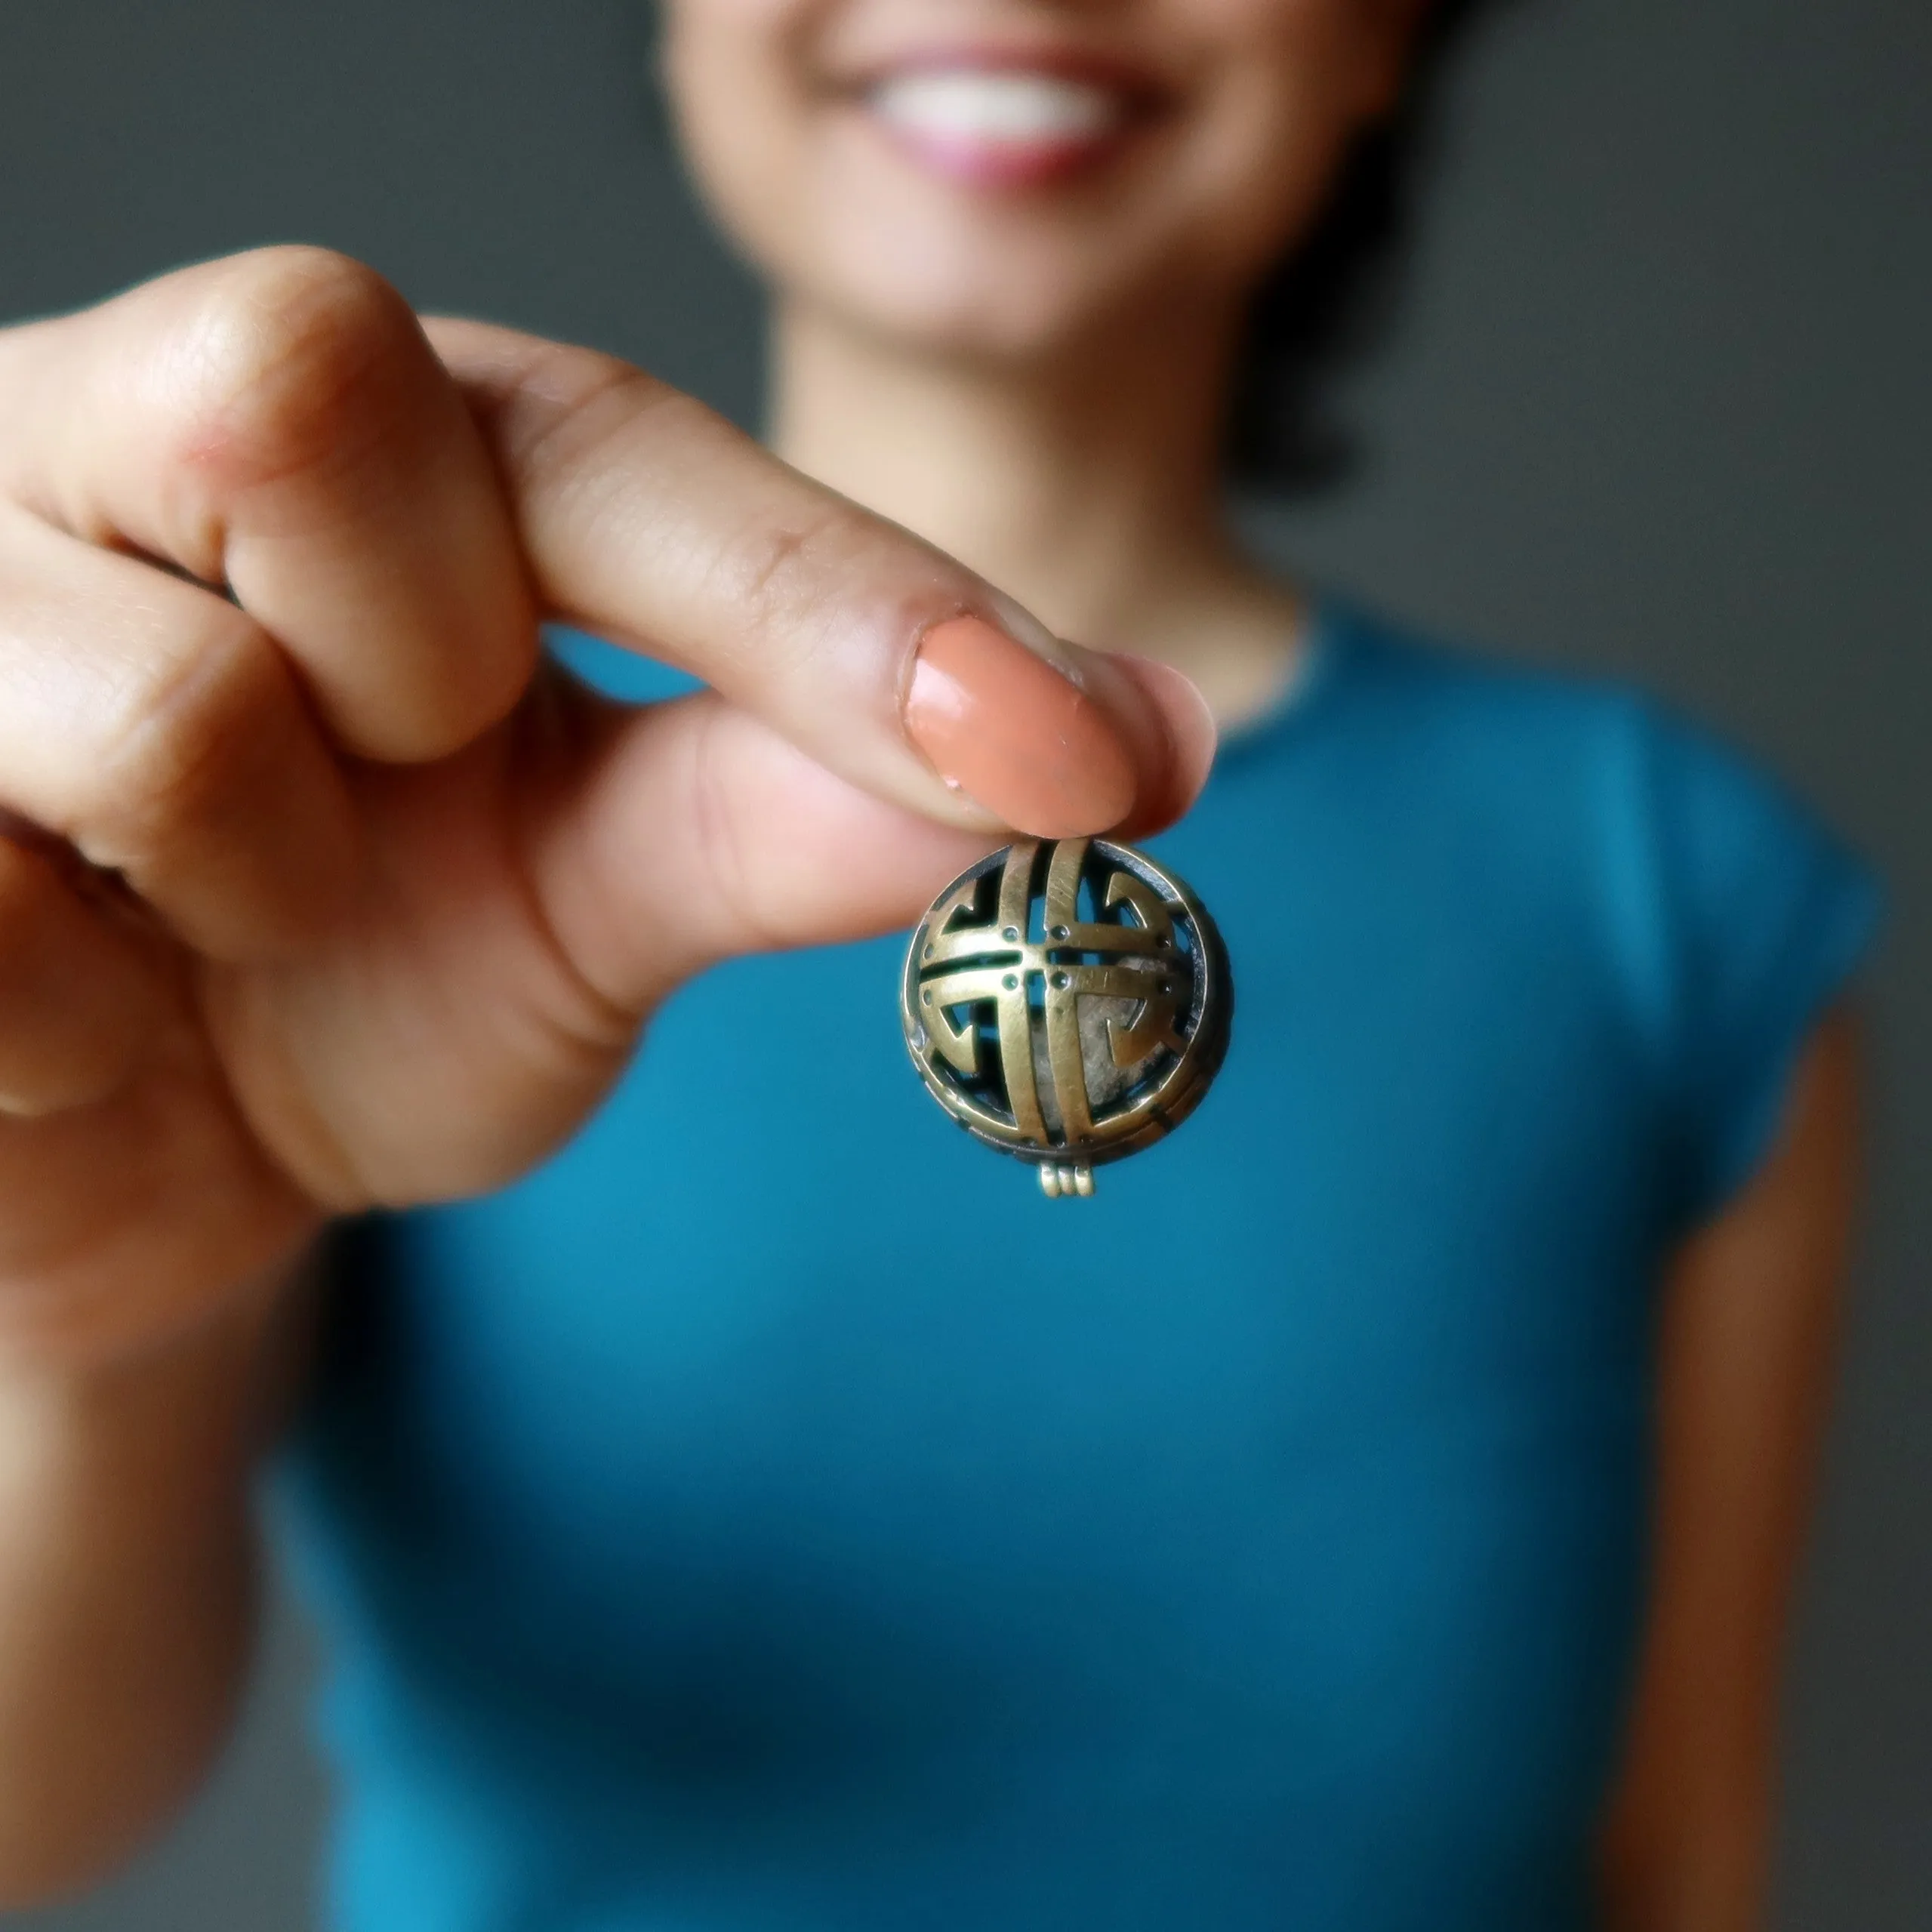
1068, 1003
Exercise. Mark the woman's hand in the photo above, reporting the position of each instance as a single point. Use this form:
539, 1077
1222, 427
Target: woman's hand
325, 891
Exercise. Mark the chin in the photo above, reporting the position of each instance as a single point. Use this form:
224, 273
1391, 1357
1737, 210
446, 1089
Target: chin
971, 303
960, 268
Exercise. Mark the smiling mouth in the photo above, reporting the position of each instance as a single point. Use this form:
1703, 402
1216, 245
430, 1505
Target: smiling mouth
1003, 126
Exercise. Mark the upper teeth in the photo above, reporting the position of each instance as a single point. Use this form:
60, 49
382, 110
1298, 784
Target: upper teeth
964, 104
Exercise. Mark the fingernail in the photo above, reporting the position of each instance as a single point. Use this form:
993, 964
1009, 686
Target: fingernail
1000, 723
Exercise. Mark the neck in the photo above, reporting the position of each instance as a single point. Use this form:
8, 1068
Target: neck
1087, 486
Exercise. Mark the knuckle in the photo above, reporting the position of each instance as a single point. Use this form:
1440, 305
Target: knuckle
793, 581
188, 727
777, 572
15, 342
294, 358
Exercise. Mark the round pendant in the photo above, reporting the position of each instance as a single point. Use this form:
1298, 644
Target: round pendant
1066, 1002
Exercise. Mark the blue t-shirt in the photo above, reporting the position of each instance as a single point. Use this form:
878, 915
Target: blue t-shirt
773, 1515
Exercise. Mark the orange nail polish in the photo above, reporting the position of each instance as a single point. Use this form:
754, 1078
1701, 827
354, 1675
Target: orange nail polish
1000, 723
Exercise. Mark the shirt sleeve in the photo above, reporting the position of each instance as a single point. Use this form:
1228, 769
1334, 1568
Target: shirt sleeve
1764, 916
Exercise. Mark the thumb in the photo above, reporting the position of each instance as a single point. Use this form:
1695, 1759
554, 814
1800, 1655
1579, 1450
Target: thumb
676, 835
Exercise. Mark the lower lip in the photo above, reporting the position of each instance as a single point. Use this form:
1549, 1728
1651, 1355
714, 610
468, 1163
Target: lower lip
1001, 164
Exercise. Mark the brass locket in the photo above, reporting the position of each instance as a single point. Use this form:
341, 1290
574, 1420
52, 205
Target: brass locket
1068, 1003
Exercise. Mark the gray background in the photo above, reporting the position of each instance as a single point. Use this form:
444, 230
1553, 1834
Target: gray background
1658, 404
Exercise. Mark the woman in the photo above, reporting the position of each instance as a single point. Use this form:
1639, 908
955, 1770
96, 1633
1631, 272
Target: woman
1374, 1511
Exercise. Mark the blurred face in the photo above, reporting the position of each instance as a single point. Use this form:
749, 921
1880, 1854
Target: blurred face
1007, 177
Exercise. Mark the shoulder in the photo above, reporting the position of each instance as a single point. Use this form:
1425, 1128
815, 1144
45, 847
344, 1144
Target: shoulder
1467, 701
1660, 789
1724, 911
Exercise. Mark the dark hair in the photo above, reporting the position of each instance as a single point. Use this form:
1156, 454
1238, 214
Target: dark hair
1331, 298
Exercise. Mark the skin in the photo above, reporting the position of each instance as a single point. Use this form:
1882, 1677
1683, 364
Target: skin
1069, 350
326, 895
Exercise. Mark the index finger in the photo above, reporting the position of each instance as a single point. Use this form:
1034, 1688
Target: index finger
648, 519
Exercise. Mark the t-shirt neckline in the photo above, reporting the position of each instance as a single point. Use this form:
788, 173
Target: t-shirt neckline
1322, 647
